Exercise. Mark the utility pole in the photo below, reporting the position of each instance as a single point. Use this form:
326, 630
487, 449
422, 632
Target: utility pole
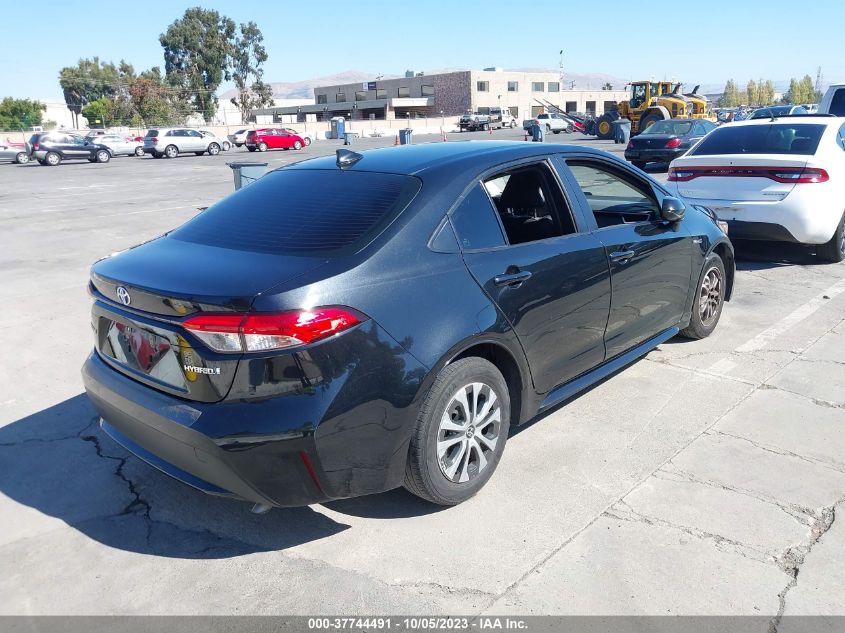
560, 67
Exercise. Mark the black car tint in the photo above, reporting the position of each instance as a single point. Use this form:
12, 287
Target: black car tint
303, 211
475, 222
778, 138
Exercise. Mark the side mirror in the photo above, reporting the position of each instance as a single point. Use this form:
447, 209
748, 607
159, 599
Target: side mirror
672, 209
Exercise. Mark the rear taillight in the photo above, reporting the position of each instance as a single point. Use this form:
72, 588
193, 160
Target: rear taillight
35, 146
672, 143
270, 331
154, 140
794, 175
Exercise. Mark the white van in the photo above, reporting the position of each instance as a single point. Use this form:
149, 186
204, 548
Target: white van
833, 101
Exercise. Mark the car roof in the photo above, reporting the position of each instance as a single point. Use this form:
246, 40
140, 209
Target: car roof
432, 157
809, 118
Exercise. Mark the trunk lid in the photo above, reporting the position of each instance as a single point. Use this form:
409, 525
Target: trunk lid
143, 295
735, 177
650, 141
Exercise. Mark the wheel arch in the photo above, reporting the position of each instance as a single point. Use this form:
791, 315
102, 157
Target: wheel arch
724, 250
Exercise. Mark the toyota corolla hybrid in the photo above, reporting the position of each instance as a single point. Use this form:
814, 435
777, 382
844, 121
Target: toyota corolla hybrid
351, 324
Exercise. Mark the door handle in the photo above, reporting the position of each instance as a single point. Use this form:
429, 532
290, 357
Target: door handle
512, 279
621, 256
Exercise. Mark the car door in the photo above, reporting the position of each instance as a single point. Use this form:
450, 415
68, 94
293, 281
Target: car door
650, 259
549, 279
75, 147
196, 141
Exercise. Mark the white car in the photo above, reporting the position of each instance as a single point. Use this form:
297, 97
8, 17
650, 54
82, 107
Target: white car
238, 138
224, 143
833, 101
306, 137
780, 180
119, 145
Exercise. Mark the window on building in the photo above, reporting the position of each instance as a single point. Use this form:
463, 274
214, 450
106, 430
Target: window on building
404, 91
538, 86
360, 95
572, 106
322, 99
513, 86
608, 105
554, 86
514, 111
340, 97
482, 86
381, 93
427, 91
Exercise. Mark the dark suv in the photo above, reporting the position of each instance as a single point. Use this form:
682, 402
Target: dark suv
344, 326
51, 148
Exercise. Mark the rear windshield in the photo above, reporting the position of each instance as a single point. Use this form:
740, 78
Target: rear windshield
678, 128
299, 211
152, 133
778, 138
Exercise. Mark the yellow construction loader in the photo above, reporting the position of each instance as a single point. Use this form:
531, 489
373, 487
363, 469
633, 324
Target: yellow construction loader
653, 101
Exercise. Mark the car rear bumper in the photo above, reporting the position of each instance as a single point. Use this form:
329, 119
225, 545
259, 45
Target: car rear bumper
792, 219
160, 430
654, 155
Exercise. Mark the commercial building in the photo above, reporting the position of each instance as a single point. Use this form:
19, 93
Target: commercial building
418, 95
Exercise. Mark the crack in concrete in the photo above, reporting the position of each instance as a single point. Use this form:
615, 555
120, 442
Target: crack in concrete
746, 550
817, 401
792, 559
779, 451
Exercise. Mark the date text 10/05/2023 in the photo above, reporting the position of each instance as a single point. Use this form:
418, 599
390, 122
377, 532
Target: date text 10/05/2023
431, 624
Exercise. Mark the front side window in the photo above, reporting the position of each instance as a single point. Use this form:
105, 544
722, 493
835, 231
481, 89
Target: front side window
613, 197
475, 222
530, 204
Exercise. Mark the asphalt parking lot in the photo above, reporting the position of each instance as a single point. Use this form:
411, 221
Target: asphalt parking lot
707, 478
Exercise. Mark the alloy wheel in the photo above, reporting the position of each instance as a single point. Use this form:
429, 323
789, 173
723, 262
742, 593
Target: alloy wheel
468, 432
710, 295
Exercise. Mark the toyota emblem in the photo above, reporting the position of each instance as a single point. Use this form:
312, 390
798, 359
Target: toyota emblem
123, 295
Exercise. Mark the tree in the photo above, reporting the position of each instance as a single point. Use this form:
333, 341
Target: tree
808, 90
730, 96
154, 102
196, 54
247, 56
767, 93
752, 93
92, 79
17, 114
99, 112
607, 86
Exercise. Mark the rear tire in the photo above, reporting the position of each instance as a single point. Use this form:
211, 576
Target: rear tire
171, 151
708, 300
262, 147
52, 159
604, 127
460, 434
22, 158
834, 250
307, 141
139, 151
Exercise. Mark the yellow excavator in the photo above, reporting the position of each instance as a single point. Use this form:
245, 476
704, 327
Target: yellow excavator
653, 101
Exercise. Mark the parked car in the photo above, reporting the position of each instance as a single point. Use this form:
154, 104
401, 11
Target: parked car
224, 143
833, 101
768, 112
781, 180
551, 121
501, 118
306, 137
664, 141
473, 121
811, 108
238, 138
272, 138
14, 152
304, 356
170, 142
51, 148
119, 146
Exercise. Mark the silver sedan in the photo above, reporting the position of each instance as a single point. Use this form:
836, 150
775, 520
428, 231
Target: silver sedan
119, 146
16, 153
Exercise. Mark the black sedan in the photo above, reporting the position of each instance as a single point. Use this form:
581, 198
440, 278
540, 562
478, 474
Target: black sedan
666, 140
350, 324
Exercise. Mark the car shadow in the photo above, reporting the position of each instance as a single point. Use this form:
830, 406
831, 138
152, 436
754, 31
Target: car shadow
758, 255
59, 462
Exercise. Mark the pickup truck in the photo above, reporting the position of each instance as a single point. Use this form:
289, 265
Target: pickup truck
472, 121
553, 122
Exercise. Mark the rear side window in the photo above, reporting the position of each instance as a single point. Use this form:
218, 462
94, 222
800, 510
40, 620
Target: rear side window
301, 211
837, 104
476, 223
778, 138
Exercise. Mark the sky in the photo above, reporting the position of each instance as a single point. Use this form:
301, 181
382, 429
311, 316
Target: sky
691, 42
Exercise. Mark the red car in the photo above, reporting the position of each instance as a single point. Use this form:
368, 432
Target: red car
272, 138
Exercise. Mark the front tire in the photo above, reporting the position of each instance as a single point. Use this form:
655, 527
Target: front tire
307, 141
213, 149
834, 250
461, 433
297, 145
708, 300
22, 158
139, 151
102, 156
